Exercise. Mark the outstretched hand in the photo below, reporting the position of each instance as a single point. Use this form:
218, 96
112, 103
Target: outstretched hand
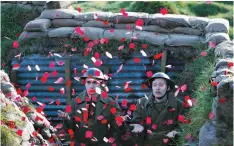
137, 128
62, 114
172, 134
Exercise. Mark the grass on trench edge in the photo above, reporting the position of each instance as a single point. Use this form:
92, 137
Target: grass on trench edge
199, 113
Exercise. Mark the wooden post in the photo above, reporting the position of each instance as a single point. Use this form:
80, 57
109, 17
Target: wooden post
13, 76
67, 80
164, 61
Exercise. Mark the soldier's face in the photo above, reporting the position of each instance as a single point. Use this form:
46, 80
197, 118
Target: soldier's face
91, 84
159, 87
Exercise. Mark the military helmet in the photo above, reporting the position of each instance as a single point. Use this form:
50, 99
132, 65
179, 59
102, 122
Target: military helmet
94, 73
162, 75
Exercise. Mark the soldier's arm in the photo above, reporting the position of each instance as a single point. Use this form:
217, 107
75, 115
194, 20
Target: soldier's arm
180, 111
120, 129
137, 114
69, 121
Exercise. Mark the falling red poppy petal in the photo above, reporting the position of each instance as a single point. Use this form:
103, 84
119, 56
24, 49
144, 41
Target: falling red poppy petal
68, 108
222, 100
79, 9
19, 132
148, 120
163, 11
181, 118
211, 115
137, 60
158, 56
16, 66
230, 64
15, 44
149, 74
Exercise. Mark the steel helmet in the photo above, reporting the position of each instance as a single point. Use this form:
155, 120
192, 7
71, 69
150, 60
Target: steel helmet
94, 73
171, 83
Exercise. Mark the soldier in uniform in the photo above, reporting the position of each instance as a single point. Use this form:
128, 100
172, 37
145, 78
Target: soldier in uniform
95, 117
156, 116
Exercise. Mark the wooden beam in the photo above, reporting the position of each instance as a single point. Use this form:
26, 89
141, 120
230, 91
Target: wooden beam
67, 80
13, 76
164, 61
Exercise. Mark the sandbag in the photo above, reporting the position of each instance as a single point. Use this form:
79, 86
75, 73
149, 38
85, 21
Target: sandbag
217, 37
183, 40
66, 23
218, 25
38, 25
93, 16
186, 30
207, 135
224, 119
168, 21
95, 23
155, 28
222, 71
61, 32
131, 18
156, 39
224, 49
219, 78
39, 3
27, 35
223, 63
198, 22
91, 32
125, 26
58, 4
58, 13
118, 34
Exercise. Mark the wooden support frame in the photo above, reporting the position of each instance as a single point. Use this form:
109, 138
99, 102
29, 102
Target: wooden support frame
67, 80
164, 61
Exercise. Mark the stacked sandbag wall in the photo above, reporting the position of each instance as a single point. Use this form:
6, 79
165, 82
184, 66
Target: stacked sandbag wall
219, 130
155, 29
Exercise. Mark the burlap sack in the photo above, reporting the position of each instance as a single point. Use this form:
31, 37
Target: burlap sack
198, 22
66, 23
183, 40
95, 23
155, 28
38, 25
218, 25
118, 34
168, 21
217, 37
27, 35
131, 18
224, 49
61, 32
156, 39
91, 32
186, 30
58, 13
125, 26
93, 16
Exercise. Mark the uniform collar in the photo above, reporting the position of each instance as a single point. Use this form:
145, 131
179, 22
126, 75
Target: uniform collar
172, 102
